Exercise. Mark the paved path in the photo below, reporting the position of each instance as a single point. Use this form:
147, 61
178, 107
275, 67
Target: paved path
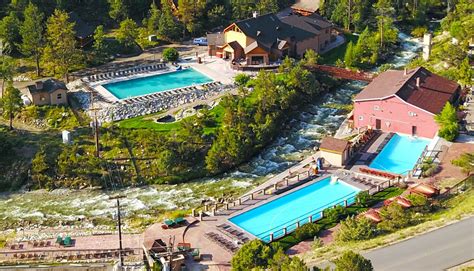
436, 250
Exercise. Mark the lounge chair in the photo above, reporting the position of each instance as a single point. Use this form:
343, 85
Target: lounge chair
179, 220
169, 222
59, 240
67, 241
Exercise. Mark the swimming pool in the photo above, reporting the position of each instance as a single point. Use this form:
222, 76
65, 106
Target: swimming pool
285, 211
400, 154
156, 83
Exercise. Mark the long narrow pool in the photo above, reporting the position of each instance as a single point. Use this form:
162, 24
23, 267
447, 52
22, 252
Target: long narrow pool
156, 83
284, 212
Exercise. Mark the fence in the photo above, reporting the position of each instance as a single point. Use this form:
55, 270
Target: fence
464, 185
314, 215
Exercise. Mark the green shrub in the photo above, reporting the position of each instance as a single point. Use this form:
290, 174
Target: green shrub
364, 198
307, 231
170, 54
419, 31
353, 262
241, 79
251, 255
394, 217
353, 229
335, 214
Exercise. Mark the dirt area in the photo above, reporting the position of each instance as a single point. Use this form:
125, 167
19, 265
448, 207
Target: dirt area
450, 174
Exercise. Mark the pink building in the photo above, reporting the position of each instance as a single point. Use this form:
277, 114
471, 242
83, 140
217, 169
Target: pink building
404, 102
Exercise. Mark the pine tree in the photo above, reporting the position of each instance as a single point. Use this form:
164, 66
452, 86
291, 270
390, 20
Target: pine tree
9, 29
39, 168
11, 102
60, 52
31, 32
267, 6
169, 29
153, 21
100, 47
448, 122
465, 72
349, 55
127, 33
118, 10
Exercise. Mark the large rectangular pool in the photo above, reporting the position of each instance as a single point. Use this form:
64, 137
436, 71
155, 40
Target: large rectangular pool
285, 211
400, 154
156, 83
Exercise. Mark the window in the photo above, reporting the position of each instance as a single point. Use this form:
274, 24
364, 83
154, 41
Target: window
376, 107
361, 117
411, 114
59, 96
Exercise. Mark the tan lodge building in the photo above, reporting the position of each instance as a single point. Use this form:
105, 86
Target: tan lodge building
268, 38
48, 92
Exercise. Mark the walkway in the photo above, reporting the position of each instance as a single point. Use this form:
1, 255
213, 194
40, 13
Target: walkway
436, 250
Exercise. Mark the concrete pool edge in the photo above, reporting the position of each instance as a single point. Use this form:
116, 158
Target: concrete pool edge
275, 197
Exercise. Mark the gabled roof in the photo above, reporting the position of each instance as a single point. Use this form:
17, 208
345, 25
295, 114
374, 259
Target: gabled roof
82, 29
432, 94
50, 85
269, 30
334, 144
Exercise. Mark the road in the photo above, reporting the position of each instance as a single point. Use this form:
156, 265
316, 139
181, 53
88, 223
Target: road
436, 250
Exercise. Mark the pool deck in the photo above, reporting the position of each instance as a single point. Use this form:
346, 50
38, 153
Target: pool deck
365, 156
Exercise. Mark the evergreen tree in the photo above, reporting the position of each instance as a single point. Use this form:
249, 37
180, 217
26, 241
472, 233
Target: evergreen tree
169, 29
39, 168
9, 29
118, 10
465, 72
267, 6
189, 12
7, 70
153, 21
384, 10
100, 46
11, 102
349, 59
448, 121
127, 33
60, 52
350, 261
31, 32
217, 16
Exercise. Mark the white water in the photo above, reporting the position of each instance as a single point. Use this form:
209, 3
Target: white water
293, 144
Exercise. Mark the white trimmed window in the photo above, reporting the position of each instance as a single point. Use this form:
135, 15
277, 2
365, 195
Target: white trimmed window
59, 96
361, 117
411, 114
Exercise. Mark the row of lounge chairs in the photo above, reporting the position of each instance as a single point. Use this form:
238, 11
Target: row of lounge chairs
212, 84
233, 233
69, 256
162, 94
222, 242
109, 75
364, 181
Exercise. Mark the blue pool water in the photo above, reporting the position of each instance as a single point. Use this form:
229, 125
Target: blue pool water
285, 211
400, 154
156, 83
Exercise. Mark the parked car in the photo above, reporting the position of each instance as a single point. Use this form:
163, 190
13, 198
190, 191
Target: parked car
200, 41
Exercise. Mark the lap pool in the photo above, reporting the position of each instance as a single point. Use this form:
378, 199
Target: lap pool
400, 154
284, 212
156, 83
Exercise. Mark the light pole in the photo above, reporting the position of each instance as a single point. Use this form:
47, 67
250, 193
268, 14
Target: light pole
119, 228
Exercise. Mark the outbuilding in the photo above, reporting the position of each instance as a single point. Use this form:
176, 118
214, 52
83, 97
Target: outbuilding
335, 151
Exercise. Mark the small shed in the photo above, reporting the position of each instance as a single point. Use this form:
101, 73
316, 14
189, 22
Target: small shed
335, 151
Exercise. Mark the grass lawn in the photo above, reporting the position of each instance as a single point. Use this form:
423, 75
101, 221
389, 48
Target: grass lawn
145, 122
454, 209
290, 240
330, 58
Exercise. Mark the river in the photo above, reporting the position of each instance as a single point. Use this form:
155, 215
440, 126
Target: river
143, 203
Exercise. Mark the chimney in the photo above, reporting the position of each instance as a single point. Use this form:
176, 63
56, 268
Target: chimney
405, 72
418, 82
255, 14
39, 85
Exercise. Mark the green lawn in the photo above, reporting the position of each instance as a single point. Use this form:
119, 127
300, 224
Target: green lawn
330, 58
145, 122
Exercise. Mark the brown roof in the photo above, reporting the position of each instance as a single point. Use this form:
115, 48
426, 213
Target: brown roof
306, 5
216, 39
334, 144
432, 94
